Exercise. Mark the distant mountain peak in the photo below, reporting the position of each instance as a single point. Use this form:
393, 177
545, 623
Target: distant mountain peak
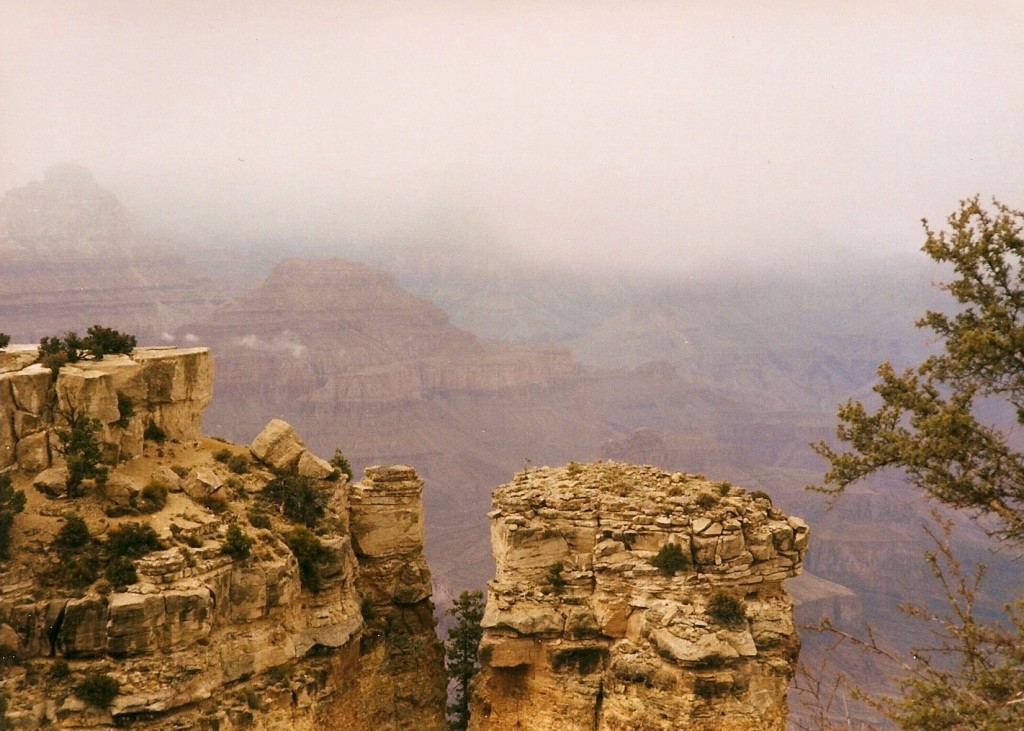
66, 214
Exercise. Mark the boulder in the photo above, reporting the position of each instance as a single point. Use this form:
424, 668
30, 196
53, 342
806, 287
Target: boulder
201, 482
310, 465
52, 482
165, 475
278, 446
120, 490
10, 644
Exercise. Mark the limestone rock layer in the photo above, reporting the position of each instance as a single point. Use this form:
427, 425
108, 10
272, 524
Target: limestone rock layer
584, 631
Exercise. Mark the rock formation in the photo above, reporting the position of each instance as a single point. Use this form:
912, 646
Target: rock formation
584, 631
238, 617
158, 388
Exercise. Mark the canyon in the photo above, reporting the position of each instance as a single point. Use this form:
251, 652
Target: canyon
230, 620
472, 368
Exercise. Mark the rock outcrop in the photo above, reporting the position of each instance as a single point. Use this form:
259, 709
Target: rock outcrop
238, 616
584, 631
162, 389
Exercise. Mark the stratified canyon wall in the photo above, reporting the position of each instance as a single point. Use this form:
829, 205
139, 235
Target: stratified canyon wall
584, 632
337, 636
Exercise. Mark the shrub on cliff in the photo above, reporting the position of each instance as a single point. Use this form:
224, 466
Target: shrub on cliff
312, 556
554, 577
727, 611
5, 340
461, 653
153, 497
340, 463
78, 556
299, 498
55, 351
670, 559
98, 689
120, 571
239, 464
100, 341
237, 544
80, 447
73, 536
12, 502
132, 540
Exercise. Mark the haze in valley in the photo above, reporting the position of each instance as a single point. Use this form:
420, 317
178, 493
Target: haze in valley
680, 135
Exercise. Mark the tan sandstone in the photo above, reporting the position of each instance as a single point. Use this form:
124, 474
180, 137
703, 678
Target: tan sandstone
583, 632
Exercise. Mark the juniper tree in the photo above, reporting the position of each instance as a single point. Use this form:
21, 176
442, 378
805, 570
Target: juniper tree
460, 653
80, 446
928, 425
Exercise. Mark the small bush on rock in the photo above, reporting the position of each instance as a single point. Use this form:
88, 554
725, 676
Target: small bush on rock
12, 502
671, 559
98, 689
5, 340
706, 500
312, 556
59, 671
73, 535
727, 611
132, 540
153, 497
237, 544
100, 341
80, 446
259, 519
121, 571
340, 463
554, 577
239, 464
300, 499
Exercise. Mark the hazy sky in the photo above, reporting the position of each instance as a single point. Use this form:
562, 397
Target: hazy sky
667, 133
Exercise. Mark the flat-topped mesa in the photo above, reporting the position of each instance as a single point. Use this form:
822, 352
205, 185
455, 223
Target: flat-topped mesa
627, 597
162, 390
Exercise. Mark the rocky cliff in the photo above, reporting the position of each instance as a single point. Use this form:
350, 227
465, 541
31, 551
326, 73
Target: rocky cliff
233, 614
630, 598
157, 388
